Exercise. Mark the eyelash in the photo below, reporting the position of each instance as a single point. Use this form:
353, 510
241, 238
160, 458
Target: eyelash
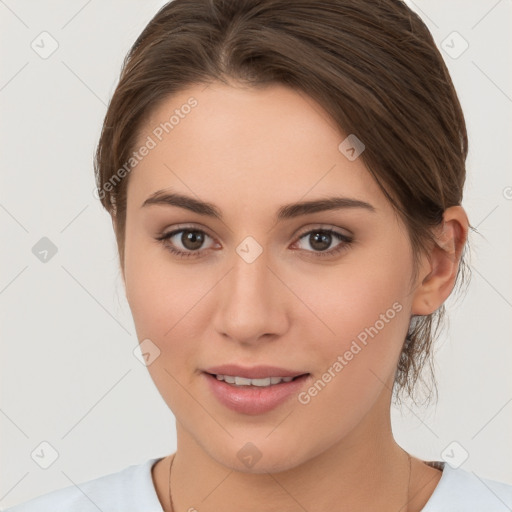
346, 241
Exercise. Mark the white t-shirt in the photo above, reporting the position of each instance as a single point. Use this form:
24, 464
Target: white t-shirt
132, 490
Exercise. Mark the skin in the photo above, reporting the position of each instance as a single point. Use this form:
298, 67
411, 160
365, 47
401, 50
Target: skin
249, 151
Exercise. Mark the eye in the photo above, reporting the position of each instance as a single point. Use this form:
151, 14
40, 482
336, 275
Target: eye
321, 239
190, 240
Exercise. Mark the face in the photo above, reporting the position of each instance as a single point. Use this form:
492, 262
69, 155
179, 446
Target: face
324, 294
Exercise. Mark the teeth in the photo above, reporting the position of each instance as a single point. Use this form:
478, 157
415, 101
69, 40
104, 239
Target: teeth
242, 381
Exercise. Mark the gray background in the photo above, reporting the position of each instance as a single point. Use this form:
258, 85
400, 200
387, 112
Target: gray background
69, 375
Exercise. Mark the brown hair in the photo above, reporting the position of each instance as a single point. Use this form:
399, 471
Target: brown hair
372, 64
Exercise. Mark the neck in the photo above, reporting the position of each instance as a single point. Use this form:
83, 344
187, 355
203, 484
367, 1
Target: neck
366, 470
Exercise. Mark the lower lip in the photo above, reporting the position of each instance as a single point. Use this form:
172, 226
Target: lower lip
253, 399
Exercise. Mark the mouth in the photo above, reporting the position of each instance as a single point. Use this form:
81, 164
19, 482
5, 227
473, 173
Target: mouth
238, 381
253, 396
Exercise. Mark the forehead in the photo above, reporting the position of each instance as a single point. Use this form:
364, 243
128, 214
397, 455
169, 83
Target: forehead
245, 142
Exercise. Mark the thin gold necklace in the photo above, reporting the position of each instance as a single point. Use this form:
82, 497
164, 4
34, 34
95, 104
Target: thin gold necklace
406, 503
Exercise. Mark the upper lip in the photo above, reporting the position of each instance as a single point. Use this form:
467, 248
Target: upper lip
253, 372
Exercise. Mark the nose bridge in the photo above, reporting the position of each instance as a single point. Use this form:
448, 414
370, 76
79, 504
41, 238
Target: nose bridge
250, 271
250, 274
251, 303
249, 282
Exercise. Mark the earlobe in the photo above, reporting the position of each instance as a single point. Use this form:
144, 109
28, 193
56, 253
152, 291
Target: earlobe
439, 270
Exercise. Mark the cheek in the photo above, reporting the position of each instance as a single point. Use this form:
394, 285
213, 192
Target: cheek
353, 296
364, 308
165, 305
164, 298
165, 302
353, 343
356, 368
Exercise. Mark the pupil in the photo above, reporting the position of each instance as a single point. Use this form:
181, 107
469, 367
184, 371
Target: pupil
324, 239
192, 239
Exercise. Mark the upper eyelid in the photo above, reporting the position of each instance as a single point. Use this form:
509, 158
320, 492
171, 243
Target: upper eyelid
325, 227
178, 228
199, 227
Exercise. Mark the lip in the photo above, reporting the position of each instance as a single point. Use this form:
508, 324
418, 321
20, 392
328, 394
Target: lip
254, 400
254, 372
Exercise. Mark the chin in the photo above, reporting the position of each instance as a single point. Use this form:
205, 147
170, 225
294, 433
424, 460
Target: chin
261, 456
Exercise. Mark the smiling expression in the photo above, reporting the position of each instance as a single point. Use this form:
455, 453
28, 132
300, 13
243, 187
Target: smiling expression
259, 279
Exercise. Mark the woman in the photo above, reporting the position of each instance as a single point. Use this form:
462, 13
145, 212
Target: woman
285, 183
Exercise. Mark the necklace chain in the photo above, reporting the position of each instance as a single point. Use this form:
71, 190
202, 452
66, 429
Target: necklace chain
170, 495
406, 503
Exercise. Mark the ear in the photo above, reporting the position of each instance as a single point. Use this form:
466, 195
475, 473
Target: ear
439, 267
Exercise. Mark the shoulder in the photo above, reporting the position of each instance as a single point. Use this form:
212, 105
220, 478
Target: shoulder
465, 491
130, 489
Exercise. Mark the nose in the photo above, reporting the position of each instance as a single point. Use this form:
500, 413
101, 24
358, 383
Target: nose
253, 302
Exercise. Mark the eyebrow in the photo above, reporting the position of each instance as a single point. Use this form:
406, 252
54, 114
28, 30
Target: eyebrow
288, 211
